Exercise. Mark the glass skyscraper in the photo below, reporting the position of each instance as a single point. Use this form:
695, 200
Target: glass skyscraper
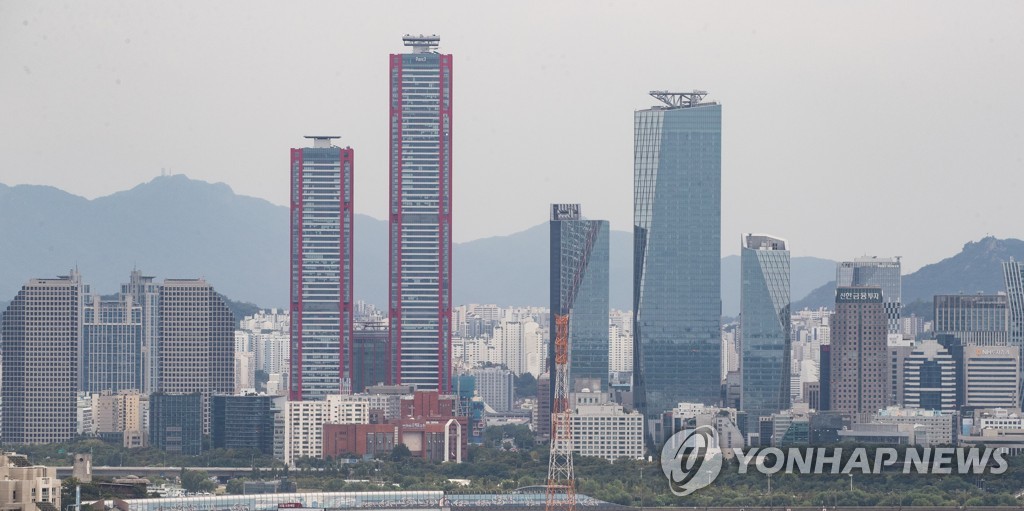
765, 326
112, 355
321, 270
579, 288
1013, 275
420, 263
876, 272
979, 320
677, 174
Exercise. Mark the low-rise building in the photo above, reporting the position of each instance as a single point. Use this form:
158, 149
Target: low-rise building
27, 487
930, 427
604, 429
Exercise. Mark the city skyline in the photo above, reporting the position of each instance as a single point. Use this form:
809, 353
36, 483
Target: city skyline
899, 86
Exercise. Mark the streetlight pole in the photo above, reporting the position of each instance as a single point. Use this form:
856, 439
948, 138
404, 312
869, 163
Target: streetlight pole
851, 480
641, 485
770, 492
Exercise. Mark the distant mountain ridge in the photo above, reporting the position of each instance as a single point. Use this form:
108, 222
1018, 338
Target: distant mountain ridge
977, 268
173, 227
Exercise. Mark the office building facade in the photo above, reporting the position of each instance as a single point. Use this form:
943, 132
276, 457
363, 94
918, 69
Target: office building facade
579, 261
145, 294
979, 320
881, 272
371, 355
41, 338
420, 216
197, 342
176, 422
244, 422
860, 371
929, 378
112, 349
764, 326
677, 174
992, 377
495, 386
321, 269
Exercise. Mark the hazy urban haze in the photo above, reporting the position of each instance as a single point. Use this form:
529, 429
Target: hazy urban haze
899, 121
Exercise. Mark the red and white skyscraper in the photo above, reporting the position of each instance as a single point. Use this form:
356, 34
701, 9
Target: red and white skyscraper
321, 270
420, 290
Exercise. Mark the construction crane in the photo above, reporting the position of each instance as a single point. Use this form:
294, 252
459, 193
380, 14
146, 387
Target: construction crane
561, 487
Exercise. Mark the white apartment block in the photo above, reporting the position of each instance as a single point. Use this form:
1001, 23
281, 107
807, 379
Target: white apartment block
245, 371
620, 349
516, 343
304, 423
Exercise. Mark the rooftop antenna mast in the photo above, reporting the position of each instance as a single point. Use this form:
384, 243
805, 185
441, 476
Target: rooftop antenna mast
679, 99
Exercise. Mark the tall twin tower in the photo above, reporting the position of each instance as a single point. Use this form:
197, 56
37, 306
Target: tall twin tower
420, 225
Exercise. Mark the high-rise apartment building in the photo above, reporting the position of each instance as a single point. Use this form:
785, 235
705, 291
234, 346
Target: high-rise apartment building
979, 320
112, 350
677, 179
860, 371
420, 273
764, 326
41, 337
879, 272
494, 385
579, 288
197, 342
321, 269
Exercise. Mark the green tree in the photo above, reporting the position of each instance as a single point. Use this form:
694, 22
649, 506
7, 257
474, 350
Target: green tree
400, 452
236, 486
196, 481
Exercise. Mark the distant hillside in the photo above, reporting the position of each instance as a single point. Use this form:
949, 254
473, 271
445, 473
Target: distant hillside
977, 268
174, 226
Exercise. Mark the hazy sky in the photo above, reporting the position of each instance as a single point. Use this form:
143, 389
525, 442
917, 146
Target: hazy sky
888, 128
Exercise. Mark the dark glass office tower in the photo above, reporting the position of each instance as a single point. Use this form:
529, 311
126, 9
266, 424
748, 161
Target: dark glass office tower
765, 341
579, 288
677, 174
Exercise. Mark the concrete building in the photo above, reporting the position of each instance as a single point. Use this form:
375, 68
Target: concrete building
620, 350
322, 226
305, 420
603, 429
517, 345
880, 272
726, 422
495, 386
861, 371
41, 337
197, 342
677, 180
930, 427
992, 377
420, 258
765, 367
124, 414
27, 487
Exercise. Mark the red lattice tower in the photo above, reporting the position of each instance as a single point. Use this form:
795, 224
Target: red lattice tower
561, 487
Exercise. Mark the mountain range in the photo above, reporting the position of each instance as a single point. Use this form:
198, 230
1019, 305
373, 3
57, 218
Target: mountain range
977, 268
176, 227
